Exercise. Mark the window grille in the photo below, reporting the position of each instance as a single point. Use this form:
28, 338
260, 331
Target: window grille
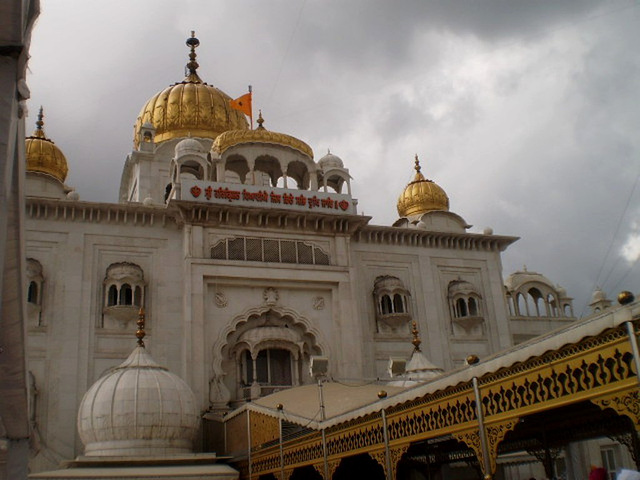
252, 249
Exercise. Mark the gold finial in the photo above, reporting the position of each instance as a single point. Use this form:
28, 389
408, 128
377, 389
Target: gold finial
39, 132
416, 336
260, 121
192, 66
625, 297
140, 333
417, 165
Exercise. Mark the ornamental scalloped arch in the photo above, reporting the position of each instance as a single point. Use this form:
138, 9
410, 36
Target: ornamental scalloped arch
222, 341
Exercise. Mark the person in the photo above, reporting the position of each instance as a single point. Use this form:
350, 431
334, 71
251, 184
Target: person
598, 473
628, 475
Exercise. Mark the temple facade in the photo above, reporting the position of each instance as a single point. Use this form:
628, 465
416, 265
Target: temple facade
250, 257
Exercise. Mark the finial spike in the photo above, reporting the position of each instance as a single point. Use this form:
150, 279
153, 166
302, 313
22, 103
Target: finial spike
40, 123
417, 165
39, 131
416, 337
192, 66
260, 120
140, 333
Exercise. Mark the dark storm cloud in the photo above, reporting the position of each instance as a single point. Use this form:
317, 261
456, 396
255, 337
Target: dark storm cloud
525, 112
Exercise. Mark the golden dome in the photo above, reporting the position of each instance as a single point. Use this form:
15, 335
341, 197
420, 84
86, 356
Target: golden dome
422, 196
231, 138
190, 107
43, 155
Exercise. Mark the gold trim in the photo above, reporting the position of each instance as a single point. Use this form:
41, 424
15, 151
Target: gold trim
396, 454
380, 458
232, 138
495, 435
624, 403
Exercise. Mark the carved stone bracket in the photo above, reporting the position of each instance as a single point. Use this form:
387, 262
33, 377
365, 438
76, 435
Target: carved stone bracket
624, 403
319, 468
495, 434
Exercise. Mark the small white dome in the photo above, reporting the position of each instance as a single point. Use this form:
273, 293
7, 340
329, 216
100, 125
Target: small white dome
189, 146
562, 292
73, 196
330, 161
419, 367
598, 296
139, 408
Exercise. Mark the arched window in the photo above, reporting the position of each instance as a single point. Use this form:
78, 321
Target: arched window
398, 304
461, 308
123, 294
35, 292
126, 296
112, 296
385, 304
535, 301
32, 293
392, 303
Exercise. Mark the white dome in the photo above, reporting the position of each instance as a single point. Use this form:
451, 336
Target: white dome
598, 295
419, 367
562, 292
330, 161
139, 408
189, 146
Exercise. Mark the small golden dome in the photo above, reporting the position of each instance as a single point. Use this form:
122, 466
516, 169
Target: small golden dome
231, 138
43, 156
421, 196
190, 107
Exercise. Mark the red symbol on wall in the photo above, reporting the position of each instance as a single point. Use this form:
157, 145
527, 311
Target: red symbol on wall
344, 205
196, 191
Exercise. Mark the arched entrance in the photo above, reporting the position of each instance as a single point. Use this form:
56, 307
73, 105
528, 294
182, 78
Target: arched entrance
269, 349
359, 467
305, 473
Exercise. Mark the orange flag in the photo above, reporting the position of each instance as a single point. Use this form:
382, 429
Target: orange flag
243, 104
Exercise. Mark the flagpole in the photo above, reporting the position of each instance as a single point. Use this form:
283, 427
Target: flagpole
251, 115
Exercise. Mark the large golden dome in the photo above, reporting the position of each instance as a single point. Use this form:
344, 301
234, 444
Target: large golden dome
422, 196
190, 108
259, 135
43, 156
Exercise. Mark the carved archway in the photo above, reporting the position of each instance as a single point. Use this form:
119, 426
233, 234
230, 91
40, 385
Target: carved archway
253, 331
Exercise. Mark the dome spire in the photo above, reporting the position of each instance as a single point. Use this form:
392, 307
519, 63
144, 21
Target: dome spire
140, 333
416, 335
39, 131
192, 66
419, 176
260, 121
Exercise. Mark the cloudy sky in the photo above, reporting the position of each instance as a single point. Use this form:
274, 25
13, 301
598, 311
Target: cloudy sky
526, 112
